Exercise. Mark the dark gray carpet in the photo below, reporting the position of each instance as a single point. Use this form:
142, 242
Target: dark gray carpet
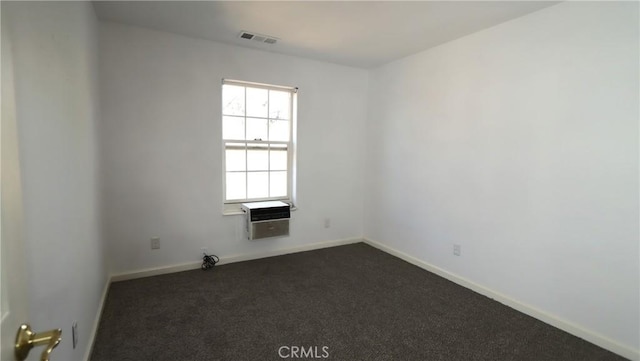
359, 302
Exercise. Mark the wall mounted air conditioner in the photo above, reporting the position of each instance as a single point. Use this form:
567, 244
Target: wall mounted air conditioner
266, 219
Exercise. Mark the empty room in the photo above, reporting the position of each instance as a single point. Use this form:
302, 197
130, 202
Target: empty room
339, 180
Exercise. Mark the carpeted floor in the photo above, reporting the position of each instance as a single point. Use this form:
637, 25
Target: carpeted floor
358, 302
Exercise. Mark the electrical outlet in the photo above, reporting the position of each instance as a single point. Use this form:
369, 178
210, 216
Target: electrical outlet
74, 334
155, 242
204, 250
456, 249
327, 223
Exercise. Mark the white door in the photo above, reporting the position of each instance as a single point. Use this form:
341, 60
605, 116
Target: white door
14, 305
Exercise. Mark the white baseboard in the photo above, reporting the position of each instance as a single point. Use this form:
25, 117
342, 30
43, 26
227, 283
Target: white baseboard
230, 259
155, 271
548, 318
302, 248
96, 322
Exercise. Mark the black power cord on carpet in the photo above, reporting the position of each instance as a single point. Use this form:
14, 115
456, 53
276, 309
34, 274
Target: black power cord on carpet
208, 261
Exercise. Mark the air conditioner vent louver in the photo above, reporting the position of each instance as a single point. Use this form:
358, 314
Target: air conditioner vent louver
258, 37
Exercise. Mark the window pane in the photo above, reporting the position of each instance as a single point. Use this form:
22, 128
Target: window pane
258, 185
232, 128
278, 159
256, 129
236, 185
235, 160
278, 184
252, 118
257, 102
279, 104
258, 159
279, 130
232, 100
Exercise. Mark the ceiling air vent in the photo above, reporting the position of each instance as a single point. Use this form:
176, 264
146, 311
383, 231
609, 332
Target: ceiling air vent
258, 37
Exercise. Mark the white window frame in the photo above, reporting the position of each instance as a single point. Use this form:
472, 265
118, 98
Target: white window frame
234, 206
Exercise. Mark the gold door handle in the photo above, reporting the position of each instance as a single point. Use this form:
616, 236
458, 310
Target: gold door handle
27, 339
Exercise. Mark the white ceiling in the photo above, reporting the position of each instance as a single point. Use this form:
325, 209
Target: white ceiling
363, 34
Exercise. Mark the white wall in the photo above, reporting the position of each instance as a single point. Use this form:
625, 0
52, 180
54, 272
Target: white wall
55, 76
519, 143
162, 153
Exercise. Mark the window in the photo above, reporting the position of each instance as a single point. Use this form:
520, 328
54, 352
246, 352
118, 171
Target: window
257, 133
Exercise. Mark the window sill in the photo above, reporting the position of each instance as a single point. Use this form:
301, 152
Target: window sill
235, 210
